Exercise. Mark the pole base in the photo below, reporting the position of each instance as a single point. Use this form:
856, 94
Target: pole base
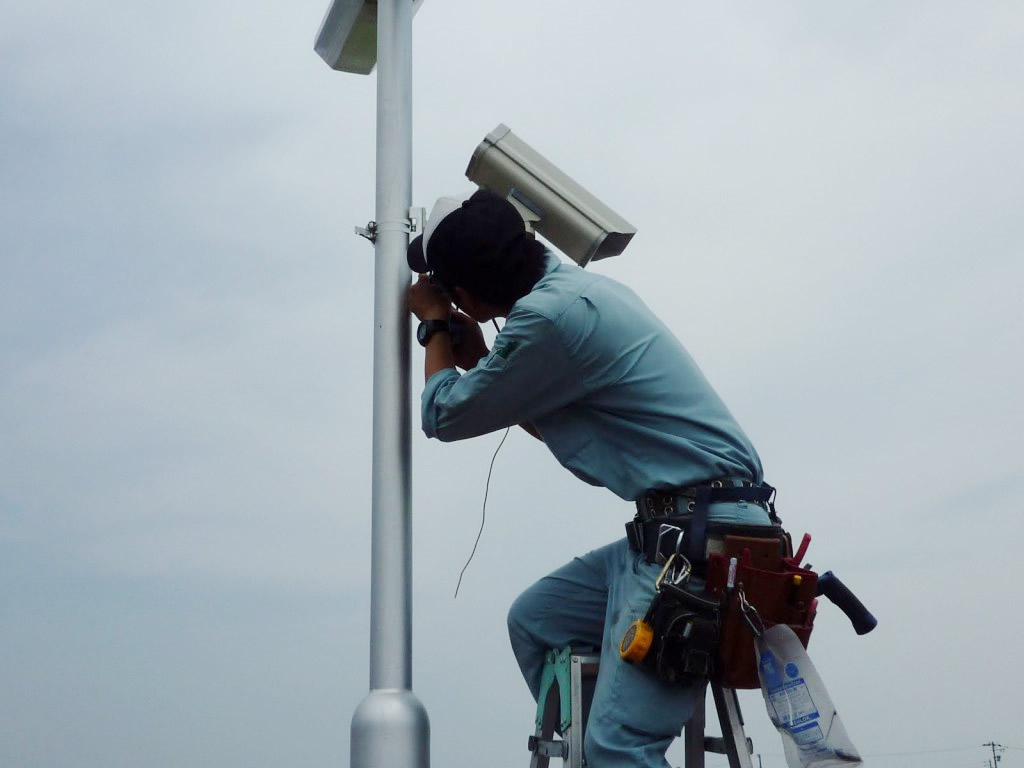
390, 728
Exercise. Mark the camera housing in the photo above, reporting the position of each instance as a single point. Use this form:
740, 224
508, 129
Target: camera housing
550, 202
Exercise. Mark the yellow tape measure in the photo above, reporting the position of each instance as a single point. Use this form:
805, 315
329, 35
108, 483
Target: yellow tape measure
637, 641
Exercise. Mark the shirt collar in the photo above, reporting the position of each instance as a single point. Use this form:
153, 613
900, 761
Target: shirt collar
552, 263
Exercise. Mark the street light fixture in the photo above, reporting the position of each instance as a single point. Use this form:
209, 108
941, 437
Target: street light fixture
347, 39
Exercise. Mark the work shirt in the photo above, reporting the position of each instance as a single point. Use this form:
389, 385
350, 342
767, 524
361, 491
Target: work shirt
613, 393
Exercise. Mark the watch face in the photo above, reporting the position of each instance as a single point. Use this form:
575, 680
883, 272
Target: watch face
422, 334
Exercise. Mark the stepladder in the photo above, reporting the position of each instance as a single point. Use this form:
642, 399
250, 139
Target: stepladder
563, 705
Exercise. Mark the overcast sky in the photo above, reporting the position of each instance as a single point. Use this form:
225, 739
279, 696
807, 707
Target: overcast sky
829, 202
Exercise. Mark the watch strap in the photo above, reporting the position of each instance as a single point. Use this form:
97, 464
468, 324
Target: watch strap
428, 328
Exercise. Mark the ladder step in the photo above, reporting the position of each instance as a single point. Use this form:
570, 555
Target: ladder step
549, 748
716, 744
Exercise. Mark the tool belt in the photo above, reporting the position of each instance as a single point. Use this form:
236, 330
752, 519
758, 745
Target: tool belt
665, 520
659, 539
751, 581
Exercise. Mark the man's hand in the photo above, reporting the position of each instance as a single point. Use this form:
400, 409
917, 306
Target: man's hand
427, 301
468, 344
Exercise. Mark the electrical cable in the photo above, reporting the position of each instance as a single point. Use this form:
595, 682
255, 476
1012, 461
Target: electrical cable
487, 488
483, 511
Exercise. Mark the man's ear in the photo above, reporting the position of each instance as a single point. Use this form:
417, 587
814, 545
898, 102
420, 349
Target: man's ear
479, 310
462, 298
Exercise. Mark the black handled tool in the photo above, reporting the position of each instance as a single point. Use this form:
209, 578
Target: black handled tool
831, 587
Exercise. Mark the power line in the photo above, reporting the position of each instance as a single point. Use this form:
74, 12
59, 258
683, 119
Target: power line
896, 754
991, 763
919, 752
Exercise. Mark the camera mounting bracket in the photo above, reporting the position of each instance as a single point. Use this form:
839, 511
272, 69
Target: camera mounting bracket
413, 225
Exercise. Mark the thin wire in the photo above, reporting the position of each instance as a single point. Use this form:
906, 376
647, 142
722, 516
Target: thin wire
483, 511
918, 752
902, 754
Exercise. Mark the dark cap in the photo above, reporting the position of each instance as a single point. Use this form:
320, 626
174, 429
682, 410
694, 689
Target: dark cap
461, 227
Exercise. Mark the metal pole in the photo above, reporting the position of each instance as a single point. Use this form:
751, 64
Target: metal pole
390, 726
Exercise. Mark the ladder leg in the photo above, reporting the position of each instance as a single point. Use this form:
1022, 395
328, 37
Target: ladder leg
694, 734
582, 666
545, 730
737, 745
575, 734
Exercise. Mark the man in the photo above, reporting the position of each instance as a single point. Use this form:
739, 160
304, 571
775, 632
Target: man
583, 365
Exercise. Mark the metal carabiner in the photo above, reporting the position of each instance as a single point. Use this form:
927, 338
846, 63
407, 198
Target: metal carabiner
683, 574
750, 614
664, 570
675, 577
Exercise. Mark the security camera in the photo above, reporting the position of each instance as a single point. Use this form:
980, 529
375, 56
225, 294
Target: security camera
550, 202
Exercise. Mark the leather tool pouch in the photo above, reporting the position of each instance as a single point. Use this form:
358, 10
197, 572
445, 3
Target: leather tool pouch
685, 643
781, 593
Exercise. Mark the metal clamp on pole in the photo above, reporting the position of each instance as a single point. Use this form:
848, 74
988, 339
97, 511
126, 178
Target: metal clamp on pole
413, 225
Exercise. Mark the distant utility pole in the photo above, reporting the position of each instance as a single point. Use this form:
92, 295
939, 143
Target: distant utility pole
995, 757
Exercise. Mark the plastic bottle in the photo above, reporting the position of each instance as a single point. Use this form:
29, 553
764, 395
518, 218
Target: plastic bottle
798, 704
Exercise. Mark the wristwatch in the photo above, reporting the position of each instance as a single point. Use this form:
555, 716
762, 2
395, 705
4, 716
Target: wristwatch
428, 328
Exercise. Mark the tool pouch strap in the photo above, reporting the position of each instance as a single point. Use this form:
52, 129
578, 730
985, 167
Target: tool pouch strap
697, 532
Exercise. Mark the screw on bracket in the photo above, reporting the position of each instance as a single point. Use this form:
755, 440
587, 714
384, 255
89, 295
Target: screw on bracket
417, 220
369, 231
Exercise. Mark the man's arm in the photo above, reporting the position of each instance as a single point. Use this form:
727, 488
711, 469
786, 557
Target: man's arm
527, 374
439, 354
428, 303
469, 348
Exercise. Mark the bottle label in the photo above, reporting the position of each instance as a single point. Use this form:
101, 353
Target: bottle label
808, 733
792, 703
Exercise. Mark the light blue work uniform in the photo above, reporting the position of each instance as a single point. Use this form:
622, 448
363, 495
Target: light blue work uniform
621, 404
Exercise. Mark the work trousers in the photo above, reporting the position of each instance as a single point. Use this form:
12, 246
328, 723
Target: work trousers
590, 602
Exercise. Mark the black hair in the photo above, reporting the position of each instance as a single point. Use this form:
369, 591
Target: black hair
483, 248
498, 277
